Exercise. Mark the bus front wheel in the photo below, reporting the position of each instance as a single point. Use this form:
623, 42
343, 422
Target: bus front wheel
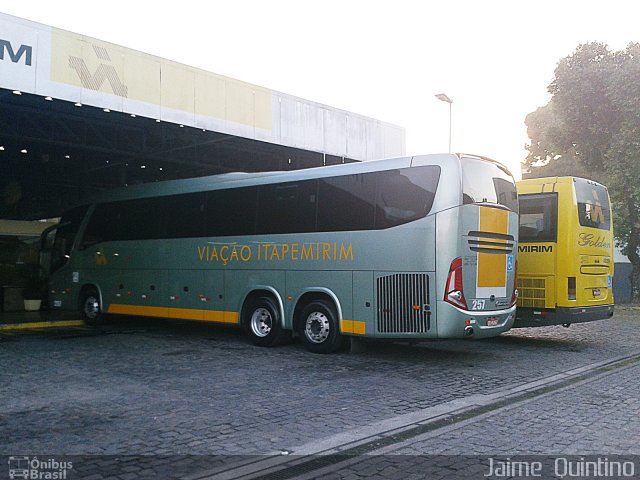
263, 324
90, 307
318, 328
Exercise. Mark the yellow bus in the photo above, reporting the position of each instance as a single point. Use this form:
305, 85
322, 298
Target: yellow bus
565, 252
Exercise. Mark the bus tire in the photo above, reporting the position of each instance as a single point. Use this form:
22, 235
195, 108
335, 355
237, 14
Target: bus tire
90, 307
319, 329
263, 323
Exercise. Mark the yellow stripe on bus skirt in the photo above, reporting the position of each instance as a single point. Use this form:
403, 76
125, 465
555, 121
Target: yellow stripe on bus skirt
346, 326
353, 326
177, 313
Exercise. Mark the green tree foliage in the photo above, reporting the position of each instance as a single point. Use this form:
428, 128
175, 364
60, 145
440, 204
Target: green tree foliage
591, 128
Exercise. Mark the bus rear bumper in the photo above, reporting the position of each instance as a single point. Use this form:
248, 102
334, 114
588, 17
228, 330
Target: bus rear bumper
532, 317
471, 324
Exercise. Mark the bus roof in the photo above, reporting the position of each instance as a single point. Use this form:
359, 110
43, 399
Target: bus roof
565, 179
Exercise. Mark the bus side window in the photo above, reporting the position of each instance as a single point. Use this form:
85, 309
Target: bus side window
184, 215
231, 212
139, 219
347, 203
405, 195
287, 207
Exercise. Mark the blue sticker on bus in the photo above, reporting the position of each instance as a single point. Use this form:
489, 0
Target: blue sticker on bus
509, 263
608, 281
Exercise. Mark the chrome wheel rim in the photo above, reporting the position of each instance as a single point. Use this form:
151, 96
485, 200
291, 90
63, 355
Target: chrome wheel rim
261, 322
91, 307
317, 327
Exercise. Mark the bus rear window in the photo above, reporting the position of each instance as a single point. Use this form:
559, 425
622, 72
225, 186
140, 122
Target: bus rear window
486, 182
538, 217
593, 204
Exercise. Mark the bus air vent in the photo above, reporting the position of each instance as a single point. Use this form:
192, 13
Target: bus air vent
403, 303
489, 242
531, 292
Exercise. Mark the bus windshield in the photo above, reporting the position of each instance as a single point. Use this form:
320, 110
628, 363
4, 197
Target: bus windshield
486, 182
65, 236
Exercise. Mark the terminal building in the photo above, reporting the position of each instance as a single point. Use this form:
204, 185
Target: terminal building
79, 115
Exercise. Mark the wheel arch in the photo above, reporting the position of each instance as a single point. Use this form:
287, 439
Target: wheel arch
83, 290
312, 294
257, 292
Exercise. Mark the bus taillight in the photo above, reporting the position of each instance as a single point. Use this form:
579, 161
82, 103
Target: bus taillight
571, 288
453, 291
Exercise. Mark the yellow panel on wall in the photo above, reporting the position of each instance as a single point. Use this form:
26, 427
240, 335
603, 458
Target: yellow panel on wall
178, 84
92, 64
87, 63
142, 77
210, 95
64, 45
239, 102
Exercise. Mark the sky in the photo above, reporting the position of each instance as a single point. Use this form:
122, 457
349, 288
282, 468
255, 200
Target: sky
380, 58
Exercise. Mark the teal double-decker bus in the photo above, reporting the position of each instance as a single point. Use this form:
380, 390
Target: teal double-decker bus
415, 247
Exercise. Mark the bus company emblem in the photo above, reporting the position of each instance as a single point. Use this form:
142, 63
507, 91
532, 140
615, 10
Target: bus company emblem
105, 71
590, 240
269, 252
16, 55
101, 258
535, 248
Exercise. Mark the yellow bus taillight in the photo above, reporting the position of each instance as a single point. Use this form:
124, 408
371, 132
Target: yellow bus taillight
571, 288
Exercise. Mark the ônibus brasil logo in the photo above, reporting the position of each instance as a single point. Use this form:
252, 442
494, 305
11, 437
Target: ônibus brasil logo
35, 469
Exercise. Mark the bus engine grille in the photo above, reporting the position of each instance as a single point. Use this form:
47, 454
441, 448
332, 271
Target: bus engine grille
531, 292
403, 303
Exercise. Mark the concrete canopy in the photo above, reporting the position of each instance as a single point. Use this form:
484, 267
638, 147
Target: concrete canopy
79, 114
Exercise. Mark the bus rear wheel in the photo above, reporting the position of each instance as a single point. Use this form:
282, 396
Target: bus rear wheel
263, 323
318, 328
90, 307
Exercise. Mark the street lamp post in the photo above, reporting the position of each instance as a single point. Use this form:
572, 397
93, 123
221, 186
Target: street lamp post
445, 98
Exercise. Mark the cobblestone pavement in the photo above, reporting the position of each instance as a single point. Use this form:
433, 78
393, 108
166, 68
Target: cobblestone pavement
143, 387
596, 421
600, 416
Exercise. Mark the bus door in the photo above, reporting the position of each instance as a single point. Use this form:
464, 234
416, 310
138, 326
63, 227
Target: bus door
57, 243
537, 250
